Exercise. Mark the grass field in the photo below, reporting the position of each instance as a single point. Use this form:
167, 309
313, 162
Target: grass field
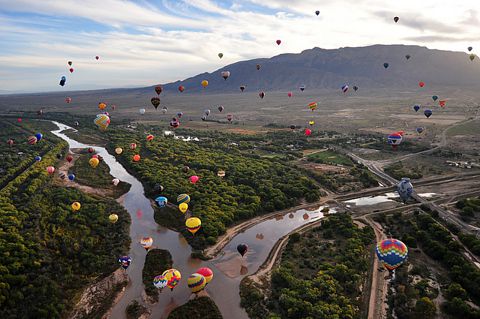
329, 157
470, 128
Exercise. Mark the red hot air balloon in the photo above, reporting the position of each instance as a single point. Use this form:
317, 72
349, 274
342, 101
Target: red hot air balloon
442, 103
71, 70
181, 88
290, 94
69, 158
261, 94
50, 170
91, 150
19, 120
421, 84
10, 142
158, 89
194, 179
229, 117
308, 132
68, 99
278, 42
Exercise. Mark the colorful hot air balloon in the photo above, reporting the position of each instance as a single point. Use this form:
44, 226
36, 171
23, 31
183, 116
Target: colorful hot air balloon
174, 123
118, 150
113, 218
32, 140
416, 107
115, 181
261, 94
385, 65
194, 179
155, 102
242, 249
345, 88
149, 137
76, 206
289, 94
394, 139
421, 84
158, 89
102, 121
183, 207
181, 88
313, 106
173, 277
196, 282
50, 170
204, 83
405, 189
193, 224
392, 253
68, 99
242, 88
183, 198
136, 158
146, 242
308, 132
160, 282
125, 261
93, 162
225, 74
396, 19
221, 108
428, 113
133, 146
71, 177
206, 272
278, 42
442, 103
161, 201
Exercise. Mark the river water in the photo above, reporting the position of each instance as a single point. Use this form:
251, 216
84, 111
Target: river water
229, 267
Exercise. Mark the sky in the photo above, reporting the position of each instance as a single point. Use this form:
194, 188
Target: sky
142, 43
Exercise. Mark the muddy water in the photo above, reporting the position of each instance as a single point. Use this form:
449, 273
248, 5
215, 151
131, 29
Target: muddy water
229, 267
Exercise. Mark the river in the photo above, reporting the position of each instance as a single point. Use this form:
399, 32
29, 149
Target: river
229, 267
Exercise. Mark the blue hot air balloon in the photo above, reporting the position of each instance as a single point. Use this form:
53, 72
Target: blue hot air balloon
71, 176
434, 98
385, 65
392, 253
63, 80
125, 261
428, 113
416, 107
39, 136
420, 130
161, 201
405, 189
38, 158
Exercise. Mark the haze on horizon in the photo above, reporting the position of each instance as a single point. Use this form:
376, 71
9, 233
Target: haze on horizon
143, 43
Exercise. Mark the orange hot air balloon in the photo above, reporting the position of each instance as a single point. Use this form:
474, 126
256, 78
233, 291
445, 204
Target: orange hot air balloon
421, 84
149, 137
136, 158
102, 106
442, 103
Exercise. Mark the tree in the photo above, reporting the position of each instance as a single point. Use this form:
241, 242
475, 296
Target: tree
425, 308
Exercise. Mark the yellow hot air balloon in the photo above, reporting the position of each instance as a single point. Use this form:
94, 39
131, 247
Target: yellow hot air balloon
173, 277
183, 207
204, 83
196, 282
93, 162
113, 218
193, 224
76, 206
146, 242
118, 150
102, 106
311, 122
102, 121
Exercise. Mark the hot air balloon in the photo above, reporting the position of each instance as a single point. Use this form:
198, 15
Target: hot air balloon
220, 55
183, 207
194, 179
317, 12
428, 113
221, 108
471, 57
90, 150
70, 63
102, 106
308, 132
133, 146
71, 177
102, 121
311, 123
396, 19
69, 158
185, 169
158, 188
113, 218
149, 137
345, 88
158, 89
207, 273
50, 170
392, 253
225, 74
193, 224
161, 201
19, 120
261, 94
10, 142
278, 42
32, 140
385, 65
118, 150
76, 206
173, 277
38, 158
93, 162
416, 107
204, 118
155, 102
421, 84
289, 94
207, 112
97, 57
302, 88
420, 130
40, 112
71, 70
125, 261
146, 242
181, 88
405, 189
242, 249
183, 198
179, 115
115, 181
136, 158
174, 123
407, 56
434, 98
196, 282
355, 88
229, 117
68, 99
258, 66
242, 88
76, 123
470, 49
204, 83
442, 103
141, 111
221, 173
160, 282
394, 139
63, 79
313, 106
164, 109
62, 175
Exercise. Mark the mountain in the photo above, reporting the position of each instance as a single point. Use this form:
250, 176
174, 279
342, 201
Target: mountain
362, 66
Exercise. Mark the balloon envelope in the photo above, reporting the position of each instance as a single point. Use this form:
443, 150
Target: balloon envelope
113, 218
193, 224
392, 253
76, 206
183, 207
405, 189
183, 198
206, 272
161, 201
196, 282
125, 261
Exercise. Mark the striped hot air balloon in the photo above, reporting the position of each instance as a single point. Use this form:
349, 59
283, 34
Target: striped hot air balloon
392, 253
313, 106
206, 272
196, 282
32, 140
193, 224
183, 198
173, 277
102, 121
